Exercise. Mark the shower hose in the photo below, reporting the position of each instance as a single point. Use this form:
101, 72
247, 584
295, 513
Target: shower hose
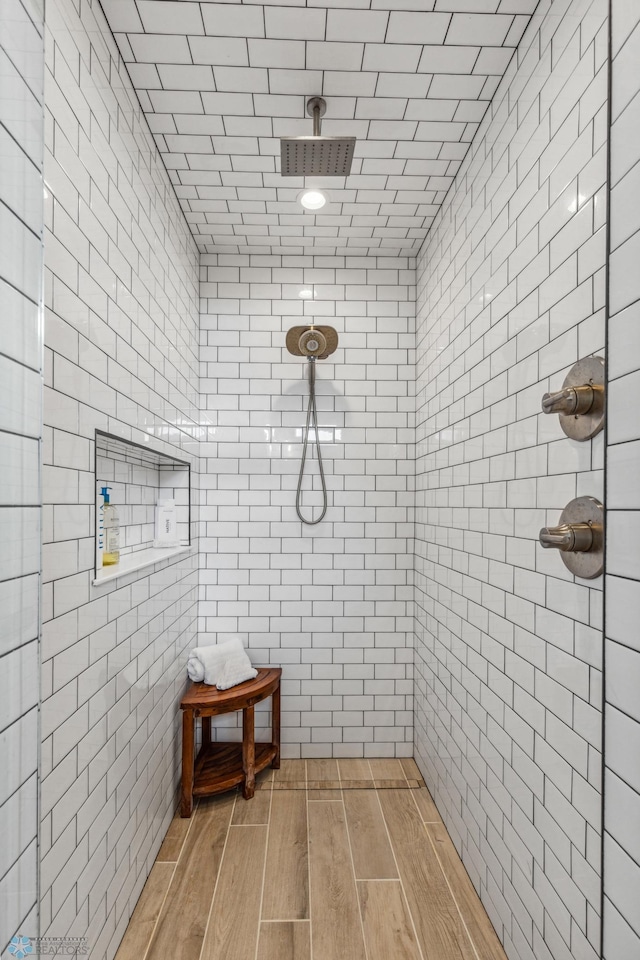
312, 414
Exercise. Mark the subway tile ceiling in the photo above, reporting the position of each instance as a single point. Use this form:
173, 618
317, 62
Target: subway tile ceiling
220, 83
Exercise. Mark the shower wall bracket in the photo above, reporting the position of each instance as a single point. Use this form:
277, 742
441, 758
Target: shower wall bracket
312, 341
580, 403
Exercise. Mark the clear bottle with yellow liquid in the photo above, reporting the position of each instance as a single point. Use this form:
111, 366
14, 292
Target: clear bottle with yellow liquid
111, 526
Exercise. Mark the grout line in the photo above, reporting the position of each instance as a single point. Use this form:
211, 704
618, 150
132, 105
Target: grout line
215, 886
173, 873
353, 874
404, 772
404, 893
283, 920
306, 793
411, 791
264, 872
164, 900
378, 880
446, 878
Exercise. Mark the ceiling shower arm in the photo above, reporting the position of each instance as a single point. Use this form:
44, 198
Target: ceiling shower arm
316, 108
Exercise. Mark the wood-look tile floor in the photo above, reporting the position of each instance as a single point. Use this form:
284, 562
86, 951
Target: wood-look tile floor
319, 871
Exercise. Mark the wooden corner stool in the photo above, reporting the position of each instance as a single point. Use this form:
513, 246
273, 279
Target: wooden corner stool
221, 766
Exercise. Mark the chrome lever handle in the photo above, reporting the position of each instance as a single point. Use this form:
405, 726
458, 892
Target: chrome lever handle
570, 537
572, 401
579, 537
580, 402
560, 537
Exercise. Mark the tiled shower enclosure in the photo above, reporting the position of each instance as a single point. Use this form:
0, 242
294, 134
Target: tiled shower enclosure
486, 240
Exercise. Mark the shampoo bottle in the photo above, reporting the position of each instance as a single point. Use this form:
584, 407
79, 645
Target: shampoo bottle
99, 530
111, 522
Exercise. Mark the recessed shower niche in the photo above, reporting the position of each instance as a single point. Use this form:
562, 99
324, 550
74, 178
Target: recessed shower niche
139, 476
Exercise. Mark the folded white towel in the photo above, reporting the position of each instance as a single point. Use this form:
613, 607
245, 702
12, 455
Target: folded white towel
223, 664
236, 669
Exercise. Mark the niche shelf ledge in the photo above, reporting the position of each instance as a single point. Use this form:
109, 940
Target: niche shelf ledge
137, 561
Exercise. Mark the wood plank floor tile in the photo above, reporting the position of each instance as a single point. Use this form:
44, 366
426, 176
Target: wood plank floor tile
330, 792
324, 793
291, 770
347, 835
264, 778
189, 898
473, 913
355, 770
372, 854
140, 929
410, 768
174, 838
322, 770
440, 930
232, 933
254, 811
286, 882
335, 912
323, 781
285, 941
388, 932
426, 806
387, 769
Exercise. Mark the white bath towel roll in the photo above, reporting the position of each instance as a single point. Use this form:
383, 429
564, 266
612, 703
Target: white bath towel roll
223, 664
235, 669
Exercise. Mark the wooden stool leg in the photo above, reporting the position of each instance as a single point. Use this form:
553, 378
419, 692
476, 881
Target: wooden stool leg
248, 752
206, 730
186, 805
275, 726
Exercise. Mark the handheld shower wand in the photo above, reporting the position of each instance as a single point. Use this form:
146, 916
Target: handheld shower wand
314, 343
312, 414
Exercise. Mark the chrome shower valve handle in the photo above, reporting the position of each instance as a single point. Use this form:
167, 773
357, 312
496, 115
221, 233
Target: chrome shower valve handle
579, 537
572, 401
580, 402
573, 537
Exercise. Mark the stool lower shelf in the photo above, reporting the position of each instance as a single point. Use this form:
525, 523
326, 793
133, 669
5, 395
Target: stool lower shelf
218, 766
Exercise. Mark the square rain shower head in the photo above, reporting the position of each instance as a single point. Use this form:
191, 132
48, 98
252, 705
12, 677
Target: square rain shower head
316, 156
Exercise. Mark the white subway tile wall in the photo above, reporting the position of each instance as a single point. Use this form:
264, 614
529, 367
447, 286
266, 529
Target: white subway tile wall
121, 338
21, 152
333, 603
622, 647
221, 83
511, 292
